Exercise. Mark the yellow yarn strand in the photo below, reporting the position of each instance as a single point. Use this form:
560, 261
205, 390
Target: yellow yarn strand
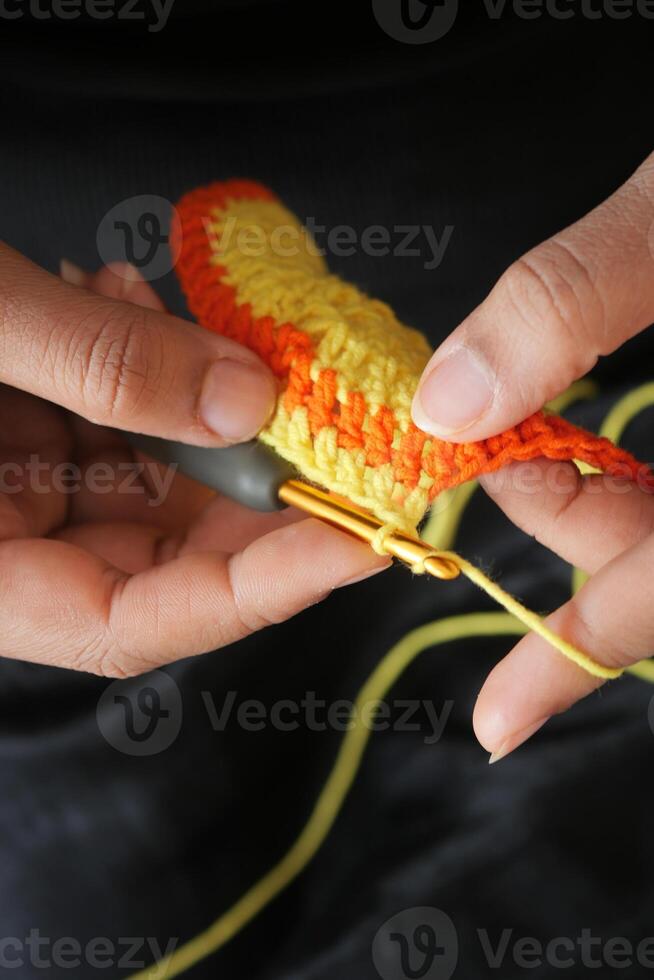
623, 412
531, 619
515, 622
441, 529
333, 795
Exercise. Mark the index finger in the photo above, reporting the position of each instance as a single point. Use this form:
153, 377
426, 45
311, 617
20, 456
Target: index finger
66, 607
118, 364
611, 618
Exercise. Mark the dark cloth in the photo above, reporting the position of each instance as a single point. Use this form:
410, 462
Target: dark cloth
507, 130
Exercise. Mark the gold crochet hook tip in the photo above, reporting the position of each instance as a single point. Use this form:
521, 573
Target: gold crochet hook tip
361, 524
441, 567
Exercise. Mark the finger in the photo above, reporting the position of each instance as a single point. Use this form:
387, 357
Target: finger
120, 487
133, 546
551, 315
118, 280
115, 485
120, 365
35, 448
135, 488
111, 485
587, 520
118, 484
64, 606
611, 618
225, 525
128, 546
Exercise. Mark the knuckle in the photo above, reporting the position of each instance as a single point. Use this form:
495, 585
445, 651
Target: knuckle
106, 662
551, 288
104, 657
87, 659
117, 666
112, 660
110, 651
118, 364
252, 611
580, 626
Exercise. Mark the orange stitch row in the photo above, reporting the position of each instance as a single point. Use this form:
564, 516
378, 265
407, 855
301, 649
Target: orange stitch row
289, 353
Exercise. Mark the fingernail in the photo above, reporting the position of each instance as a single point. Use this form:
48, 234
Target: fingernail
128, 274
457, 392
513, 741
72, 274
237, 399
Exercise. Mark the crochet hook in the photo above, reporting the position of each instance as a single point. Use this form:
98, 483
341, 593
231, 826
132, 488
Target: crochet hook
344, 515
257, 477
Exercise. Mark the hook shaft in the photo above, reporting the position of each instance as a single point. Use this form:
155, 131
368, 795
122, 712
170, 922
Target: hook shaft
342, 514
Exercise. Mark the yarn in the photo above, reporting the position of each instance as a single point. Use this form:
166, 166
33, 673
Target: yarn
349, 760
347, 368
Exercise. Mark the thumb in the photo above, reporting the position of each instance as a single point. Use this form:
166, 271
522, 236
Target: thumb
116, 363
551, 315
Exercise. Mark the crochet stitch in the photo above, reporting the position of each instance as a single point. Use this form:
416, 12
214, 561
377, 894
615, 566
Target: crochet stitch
347, 368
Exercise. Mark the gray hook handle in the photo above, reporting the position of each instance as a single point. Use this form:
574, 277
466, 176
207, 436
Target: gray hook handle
250, 472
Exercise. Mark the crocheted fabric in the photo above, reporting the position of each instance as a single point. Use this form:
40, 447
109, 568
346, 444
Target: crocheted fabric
347, 368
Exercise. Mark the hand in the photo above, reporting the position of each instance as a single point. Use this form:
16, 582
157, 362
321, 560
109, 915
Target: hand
104, 581
551, 315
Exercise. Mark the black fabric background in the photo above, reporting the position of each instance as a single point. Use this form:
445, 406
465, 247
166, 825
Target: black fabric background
507, 130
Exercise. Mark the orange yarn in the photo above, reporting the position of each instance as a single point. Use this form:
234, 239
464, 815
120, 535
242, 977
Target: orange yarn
290, 354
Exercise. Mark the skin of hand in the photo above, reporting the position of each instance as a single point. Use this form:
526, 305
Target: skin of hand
572, 299
106, 582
